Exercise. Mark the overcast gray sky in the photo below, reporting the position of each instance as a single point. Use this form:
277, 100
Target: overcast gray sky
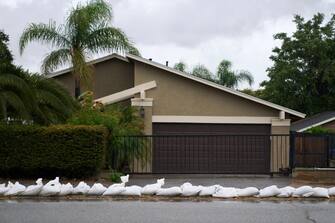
195, 31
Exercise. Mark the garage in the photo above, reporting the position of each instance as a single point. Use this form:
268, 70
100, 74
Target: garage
211, 148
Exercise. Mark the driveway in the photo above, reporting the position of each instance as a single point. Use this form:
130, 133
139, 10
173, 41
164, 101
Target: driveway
147, 212
241, 181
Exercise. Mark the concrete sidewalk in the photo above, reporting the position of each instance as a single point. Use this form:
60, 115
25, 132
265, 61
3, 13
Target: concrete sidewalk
205, 180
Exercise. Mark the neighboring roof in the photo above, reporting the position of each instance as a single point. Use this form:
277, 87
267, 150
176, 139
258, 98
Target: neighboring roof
220, 87
192, 77
315, 120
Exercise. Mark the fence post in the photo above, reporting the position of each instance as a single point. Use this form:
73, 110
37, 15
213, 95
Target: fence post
292, 150
328, 150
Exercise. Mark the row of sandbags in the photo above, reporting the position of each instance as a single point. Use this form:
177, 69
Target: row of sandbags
55, 188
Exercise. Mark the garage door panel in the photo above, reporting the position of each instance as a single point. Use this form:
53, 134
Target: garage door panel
206, 148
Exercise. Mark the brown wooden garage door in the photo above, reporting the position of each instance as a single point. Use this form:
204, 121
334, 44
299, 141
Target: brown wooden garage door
211, 148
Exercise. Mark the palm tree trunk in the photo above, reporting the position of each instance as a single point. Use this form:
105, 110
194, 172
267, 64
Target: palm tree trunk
76, 87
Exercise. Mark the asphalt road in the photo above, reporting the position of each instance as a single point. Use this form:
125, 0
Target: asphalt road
162, 211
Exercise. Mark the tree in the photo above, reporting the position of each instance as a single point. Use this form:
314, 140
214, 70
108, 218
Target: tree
202, 72
181, 66
227, 77
30, 97
302, 76
87, 31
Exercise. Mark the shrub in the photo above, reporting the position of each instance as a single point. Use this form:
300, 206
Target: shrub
120, 120
320, 130
71, 151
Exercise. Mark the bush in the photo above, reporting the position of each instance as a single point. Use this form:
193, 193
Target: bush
320, 130
60, 150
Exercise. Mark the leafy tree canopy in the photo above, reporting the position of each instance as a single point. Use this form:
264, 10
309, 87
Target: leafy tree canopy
303, 73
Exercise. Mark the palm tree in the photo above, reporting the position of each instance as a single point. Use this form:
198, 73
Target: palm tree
181, 66
53, 104
202, 72
87, 31
227, 77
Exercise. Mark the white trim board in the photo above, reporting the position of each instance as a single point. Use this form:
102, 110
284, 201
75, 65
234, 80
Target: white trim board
223, 88
212, 119
129, 93
317, 124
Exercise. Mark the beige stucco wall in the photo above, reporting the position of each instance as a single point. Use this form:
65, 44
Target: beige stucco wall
176, 95
109, 77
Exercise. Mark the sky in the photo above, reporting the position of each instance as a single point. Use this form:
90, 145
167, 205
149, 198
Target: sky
192, 31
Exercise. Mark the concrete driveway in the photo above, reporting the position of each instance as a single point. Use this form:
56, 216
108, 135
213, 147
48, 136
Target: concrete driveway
147, 212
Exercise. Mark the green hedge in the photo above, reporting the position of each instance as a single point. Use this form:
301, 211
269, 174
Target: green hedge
60, 150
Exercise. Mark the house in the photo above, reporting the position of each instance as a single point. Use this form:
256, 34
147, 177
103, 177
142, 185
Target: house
175, 103
323, 119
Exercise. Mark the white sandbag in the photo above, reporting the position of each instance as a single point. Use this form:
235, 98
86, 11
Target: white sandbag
66, 189
208, 191
4, 188
247, 192
132, 191
331, 191
124, 180
97, 189
171, 191
34, 190
52, 188
114, 190
81, 188
225, 192
320, 192
187, 189
270, 191
151, 189
16, 189
303, 191
286, 191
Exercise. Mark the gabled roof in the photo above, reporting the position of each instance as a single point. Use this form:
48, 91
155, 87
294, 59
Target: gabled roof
101, 59
313, 121
191, 77
220, 87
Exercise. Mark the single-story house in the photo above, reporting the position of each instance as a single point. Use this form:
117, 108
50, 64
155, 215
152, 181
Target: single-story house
177, 103
324, 119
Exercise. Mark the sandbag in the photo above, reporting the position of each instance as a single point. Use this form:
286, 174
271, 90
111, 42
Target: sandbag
151, 189
34, 190
270, 191
303, 191
16, 189
208, 191
247, 192
114, 190
81, 188
52, 188
124, 180
132, 191
320, 192
97, 189
331, 191
286, 191
4, 188
66, 189
187, 189
171, 191
225, 192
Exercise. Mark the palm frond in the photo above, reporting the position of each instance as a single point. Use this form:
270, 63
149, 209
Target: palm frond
245, 76
44, 33
108, 39
55, 59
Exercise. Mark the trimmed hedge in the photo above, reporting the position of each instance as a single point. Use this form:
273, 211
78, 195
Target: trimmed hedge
60, 150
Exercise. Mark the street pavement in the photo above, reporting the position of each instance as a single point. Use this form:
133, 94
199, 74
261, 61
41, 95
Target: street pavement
29, 211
